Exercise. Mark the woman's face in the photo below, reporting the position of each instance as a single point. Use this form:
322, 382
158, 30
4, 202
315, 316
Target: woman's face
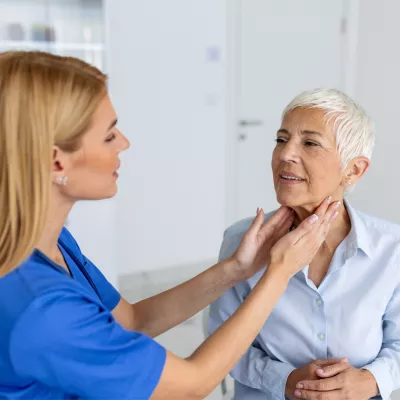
305, 162
92, 170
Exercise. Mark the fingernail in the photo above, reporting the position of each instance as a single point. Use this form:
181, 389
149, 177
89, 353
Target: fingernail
338, 204
313, 219
329, 199
297, 393
335, 215
258, 210
299, 386
320, 370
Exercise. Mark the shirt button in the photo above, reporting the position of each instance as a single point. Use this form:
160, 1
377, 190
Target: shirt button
319, 302
321, 336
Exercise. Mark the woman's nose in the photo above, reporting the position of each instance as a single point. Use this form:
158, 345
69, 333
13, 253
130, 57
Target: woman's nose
290, 151
125, 143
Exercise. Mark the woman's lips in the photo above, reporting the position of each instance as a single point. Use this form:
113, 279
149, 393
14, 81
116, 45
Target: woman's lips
115, 173
289, 178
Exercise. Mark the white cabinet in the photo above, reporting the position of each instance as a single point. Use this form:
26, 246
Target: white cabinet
66, 27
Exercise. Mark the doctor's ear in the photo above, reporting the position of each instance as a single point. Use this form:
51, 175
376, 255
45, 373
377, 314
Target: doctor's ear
59, 165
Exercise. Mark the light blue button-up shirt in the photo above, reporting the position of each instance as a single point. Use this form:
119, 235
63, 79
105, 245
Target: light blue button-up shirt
354, 313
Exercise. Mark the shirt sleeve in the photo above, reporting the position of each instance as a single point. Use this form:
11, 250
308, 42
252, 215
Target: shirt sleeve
67, 341
386, 367
255, 369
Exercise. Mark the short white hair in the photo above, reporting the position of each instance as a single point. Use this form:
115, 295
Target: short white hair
354, 130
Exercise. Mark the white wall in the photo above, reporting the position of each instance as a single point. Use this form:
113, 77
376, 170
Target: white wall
377, 88
93, 225
166, 66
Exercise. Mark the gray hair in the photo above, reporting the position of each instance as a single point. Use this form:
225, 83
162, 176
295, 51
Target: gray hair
354, 129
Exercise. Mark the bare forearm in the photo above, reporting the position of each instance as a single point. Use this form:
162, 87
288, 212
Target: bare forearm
159, 313
222, 350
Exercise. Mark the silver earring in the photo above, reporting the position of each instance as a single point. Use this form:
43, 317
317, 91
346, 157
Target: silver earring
62, 180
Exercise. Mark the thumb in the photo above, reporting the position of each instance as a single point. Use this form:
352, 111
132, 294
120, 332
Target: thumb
332, 370
257, 223
303, 228
330, 361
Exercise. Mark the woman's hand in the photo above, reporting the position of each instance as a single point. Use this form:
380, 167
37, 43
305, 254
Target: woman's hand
308, 372
351, 383
253, 251
298, 248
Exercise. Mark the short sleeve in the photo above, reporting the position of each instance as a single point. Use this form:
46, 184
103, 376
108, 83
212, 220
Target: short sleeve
109, 295
67, 341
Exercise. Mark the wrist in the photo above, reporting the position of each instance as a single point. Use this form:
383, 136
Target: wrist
231, 271
279, 273
370, 383
289, 388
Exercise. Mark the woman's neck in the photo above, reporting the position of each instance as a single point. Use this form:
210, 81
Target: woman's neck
340, 227
57, 215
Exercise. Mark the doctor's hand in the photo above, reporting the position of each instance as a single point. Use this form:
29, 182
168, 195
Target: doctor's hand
254, 249
286, 253
309, 372
351, 384
297, 248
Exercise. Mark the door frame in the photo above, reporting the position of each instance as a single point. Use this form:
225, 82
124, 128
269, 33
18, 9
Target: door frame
350, 24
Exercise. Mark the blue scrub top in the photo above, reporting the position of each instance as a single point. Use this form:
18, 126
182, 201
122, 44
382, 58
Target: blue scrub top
59, 340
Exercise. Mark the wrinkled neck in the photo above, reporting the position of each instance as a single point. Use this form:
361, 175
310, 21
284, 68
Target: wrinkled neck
339, 229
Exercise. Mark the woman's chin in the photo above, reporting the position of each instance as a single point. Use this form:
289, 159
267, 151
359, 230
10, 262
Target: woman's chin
288, 200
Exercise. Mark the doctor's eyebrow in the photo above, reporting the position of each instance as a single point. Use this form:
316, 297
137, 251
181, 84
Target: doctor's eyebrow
112, 125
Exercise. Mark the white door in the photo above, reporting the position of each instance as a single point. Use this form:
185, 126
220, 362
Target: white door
282, 48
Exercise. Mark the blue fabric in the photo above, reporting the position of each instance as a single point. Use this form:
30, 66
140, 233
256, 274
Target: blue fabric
59, 339
354, 313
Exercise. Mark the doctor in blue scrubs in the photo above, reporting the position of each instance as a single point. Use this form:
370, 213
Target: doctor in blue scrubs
65, 332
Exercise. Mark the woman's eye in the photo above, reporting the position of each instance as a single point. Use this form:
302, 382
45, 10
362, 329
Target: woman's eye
280, 140
310, 144
111, 137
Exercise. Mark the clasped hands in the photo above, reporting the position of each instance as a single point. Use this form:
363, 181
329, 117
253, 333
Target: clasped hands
333, 379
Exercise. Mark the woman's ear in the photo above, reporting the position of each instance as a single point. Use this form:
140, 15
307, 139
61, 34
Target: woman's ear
355, 170
58, 166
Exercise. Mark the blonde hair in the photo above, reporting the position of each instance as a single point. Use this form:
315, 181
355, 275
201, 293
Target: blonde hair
45, 100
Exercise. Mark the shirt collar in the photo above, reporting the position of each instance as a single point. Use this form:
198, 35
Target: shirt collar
358, 237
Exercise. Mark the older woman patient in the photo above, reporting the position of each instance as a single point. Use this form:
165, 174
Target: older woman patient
346, 303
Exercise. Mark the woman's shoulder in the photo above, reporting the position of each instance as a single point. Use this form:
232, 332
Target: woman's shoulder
33, 280
32, 288
378, 237
378, 226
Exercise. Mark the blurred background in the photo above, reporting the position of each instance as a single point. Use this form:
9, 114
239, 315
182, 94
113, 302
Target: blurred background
199, 87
